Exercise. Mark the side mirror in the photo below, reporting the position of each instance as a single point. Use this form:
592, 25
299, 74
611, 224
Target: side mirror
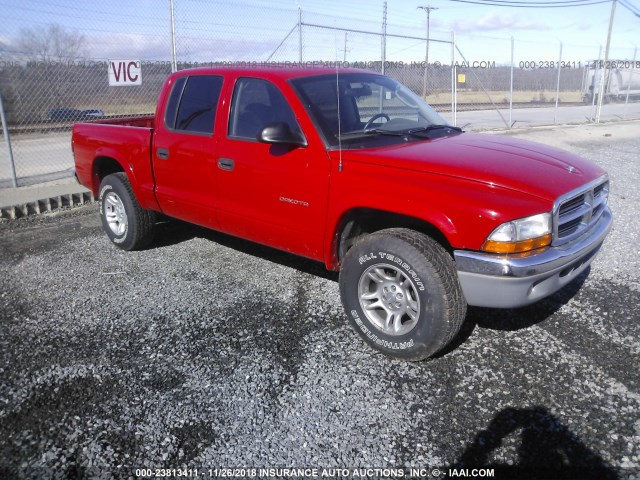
280, 133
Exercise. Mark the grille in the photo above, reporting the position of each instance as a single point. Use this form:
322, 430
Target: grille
577, 211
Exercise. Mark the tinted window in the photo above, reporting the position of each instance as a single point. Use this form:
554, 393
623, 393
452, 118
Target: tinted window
198, 103
172, 103
257, 103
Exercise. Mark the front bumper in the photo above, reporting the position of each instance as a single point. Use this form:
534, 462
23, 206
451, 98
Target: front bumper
510, 281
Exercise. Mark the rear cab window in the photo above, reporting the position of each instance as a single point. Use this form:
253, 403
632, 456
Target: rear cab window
192, 104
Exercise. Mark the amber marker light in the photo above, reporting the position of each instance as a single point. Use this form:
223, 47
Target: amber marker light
519, 236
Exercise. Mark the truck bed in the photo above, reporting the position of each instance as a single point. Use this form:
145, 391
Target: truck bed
125, 140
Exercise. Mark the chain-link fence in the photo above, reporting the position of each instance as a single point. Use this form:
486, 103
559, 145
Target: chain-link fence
54, 63
110, 61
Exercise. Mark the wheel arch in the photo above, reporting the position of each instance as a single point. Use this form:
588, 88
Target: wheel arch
103, 166
357, 222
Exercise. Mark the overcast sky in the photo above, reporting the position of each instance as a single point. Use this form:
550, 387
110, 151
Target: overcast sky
252, 29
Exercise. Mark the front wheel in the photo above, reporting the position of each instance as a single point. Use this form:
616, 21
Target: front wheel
401, 293
125, 222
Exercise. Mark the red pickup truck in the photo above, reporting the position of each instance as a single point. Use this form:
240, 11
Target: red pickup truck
353, 169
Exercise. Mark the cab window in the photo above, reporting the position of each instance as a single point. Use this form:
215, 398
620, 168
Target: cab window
192, 104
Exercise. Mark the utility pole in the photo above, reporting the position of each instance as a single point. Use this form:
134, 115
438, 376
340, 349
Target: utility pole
605, 74
427, 9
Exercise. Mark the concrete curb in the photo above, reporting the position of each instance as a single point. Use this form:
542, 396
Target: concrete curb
49, 204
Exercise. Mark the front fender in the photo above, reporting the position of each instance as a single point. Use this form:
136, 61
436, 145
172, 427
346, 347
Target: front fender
463, 211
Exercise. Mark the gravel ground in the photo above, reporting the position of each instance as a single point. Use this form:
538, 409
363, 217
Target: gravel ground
205, 352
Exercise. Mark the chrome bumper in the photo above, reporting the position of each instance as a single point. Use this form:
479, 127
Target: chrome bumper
510, 281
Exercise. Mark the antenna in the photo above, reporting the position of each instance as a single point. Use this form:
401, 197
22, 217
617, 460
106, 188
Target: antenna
335, 37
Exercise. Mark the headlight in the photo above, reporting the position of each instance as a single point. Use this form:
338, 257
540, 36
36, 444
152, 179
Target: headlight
520, 235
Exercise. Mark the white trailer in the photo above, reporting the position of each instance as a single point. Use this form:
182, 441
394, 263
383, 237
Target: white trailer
622, 78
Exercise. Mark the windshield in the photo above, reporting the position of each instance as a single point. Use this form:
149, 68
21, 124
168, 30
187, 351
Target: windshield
369, 105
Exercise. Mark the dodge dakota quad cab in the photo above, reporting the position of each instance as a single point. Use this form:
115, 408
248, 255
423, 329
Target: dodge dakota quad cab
353, 169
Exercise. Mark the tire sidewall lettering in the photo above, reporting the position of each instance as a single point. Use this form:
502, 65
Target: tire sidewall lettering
392, 258
124, 235
103, 192
374, 338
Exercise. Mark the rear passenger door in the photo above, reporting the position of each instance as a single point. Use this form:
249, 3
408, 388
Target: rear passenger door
184, 150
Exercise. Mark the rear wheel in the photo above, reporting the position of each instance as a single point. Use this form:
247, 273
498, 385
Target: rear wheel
125, 222
401, 293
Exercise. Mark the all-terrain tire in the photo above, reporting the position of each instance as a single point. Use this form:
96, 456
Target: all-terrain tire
401, 293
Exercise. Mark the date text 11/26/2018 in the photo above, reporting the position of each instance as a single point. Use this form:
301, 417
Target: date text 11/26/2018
609, 64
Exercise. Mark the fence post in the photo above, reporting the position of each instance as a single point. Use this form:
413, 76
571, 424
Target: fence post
7, 139
454, 81
511, 86
555, 113
607, 69
174, 58
300, 34
633, 67
384, 37
594, 82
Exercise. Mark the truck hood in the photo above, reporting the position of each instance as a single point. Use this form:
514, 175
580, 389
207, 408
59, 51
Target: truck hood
528, 167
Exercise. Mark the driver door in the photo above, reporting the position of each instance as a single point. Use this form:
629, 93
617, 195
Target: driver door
270, 193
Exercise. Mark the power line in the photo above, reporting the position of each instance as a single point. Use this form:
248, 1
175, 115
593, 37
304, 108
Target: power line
630, 7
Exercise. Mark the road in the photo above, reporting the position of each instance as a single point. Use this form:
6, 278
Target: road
205, 352
527, 117
38, 158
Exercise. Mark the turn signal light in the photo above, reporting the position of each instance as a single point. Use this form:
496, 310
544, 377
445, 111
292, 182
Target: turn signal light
517, 247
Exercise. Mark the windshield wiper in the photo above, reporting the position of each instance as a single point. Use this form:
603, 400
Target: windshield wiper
372, 131
399, 133
382, 131
432, 127
412, 131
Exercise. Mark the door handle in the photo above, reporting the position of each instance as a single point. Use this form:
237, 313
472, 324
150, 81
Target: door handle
162, 153
226, 164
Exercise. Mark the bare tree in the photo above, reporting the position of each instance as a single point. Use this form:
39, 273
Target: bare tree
51, 43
